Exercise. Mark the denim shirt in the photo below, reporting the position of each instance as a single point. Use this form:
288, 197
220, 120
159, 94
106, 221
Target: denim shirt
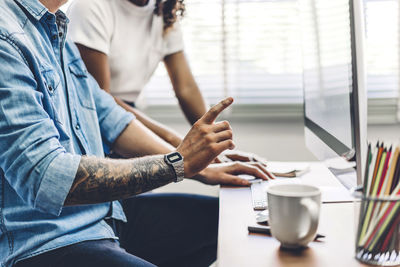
51, 112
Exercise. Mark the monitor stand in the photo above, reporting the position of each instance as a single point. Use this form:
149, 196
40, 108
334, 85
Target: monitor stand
347, 177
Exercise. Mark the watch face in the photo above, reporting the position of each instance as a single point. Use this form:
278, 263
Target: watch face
174, 157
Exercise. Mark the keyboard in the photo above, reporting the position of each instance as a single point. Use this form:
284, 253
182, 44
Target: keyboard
258, 195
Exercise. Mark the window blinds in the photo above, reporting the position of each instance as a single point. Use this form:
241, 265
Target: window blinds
382, 59
382, 41
246, 49
251, 50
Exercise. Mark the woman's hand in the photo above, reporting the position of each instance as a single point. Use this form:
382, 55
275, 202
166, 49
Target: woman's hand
237, 155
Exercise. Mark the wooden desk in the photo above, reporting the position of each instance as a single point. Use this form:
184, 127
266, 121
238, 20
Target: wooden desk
236, 247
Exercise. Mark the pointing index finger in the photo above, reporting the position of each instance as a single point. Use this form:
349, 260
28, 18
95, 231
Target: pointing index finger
213, 113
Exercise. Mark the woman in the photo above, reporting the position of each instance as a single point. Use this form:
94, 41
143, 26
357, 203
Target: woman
122, 43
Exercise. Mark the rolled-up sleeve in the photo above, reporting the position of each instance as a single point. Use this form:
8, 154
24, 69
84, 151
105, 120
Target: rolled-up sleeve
32, 159
173, 40
56, 183
113, 119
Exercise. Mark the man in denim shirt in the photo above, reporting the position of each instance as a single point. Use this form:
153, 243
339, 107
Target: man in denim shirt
58, 192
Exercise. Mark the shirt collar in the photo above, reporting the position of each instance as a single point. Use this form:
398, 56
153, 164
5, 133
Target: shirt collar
61, 17
33, 7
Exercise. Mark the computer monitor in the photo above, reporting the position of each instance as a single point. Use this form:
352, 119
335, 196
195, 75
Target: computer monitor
334, 84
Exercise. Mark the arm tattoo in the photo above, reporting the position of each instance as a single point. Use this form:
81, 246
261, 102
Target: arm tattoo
102, 180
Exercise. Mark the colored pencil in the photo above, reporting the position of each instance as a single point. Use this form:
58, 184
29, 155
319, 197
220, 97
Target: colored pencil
372, 168
392, 171
376, 208
377, 163
371, 206
390, 234
367, 167
396, 175
372, 172
379, 173
385, 168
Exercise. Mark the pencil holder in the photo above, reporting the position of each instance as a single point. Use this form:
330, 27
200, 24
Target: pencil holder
378, 233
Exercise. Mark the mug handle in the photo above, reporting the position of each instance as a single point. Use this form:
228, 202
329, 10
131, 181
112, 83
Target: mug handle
312, 208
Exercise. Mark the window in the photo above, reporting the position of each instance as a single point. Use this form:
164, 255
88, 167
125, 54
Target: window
246, 49
382, 59
251, 50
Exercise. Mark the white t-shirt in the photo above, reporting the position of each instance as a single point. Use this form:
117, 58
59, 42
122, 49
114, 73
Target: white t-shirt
131, 37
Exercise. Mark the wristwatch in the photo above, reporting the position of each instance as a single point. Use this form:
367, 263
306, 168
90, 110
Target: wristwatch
175, 160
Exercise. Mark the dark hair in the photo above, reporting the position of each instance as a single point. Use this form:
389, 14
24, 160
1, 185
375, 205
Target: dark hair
170, 10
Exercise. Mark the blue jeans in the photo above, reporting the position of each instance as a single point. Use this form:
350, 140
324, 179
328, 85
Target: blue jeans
162, 229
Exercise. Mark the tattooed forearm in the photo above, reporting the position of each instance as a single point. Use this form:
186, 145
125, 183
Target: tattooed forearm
101, 180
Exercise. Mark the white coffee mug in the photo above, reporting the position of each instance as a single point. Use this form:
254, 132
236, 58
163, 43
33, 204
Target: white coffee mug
293, 213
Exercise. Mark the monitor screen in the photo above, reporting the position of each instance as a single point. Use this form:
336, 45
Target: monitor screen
328, 67
330, 74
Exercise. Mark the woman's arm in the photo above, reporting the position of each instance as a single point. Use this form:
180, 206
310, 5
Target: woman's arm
188, 93
98, 66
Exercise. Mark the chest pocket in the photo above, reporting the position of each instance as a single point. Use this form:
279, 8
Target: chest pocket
80, 79
51, 81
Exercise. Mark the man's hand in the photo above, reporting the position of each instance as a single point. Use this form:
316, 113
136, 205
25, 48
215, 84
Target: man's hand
206, 140
226, 174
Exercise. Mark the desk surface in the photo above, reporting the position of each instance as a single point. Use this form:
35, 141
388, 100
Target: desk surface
236, 247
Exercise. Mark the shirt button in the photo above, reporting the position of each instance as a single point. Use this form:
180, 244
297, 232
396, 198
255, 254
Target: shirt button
60, 34
77, 127
50, 88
